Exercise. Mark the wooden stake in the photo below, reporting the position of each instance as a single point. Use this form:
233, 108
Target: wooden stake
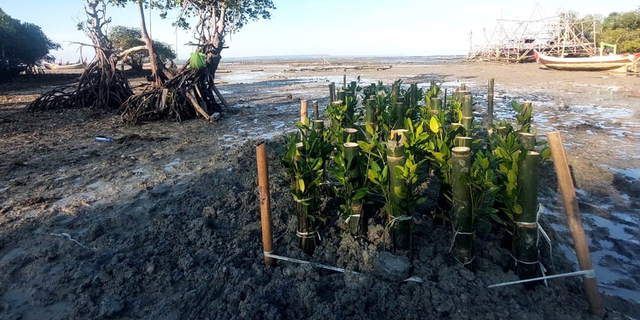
304, 117
265, 203
573, 219
490, 103
316, 113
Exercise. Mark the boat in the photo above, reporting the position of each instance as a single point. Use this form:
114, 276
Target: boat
53, 66
598, 63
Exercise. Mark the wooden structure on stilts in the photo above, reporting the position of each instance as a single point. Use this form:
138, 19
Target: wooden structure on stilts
562, 35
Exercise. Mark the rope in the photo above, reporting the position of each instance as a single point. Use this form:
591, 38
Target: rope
349, 217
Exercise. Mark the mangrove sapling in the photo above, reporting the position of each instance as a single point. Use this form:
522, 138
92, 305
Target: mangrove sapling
348, 172
304, 164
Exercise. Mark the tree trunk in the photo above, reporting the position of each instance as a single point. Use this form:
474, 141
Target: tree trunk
156, 66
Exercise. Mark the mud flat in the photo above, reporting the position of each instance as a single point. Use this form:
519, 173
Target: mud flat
164, 221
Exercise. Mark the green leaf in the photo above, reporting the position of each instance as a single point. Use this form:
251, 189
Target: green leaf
360, 194
434, 125
512, 176
400, 191
420, 201
503, 168
373, 175
301, 185
517, 208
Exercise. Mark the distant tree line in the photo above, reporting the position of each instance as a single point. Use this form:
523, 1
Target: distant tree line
22, 45
621, 29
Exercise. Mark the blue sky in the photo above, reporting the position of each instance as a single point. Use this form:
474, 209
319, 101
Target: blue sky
334, 27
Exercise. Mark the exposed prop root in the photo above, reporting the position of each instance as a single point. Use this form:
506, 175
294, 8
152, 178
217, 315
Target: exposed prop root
101, 86
179, 99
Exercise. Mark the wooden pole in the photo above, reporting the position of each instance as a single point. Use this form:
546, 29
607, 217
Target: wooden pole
304, 116
573, 219
265, 203
490, 104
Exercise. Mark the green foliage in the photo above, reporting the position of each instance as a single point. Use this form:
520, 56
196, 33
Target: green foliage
22, 45
622, 29
124, 38
238, 12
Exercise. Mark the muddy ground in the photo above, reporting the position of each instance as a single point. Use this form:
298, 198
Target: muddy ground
164, 221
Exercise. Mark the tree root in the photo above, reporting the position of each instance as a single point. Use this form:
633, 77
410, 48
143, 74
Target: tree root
179, 99
101, 86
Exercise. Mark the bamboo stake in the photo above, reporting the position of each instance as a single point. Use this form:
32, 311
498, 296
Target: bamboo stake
316, 113
467, 105
527, 140
400, 225
460, 141
467, 123
265, 203
350, 134
332, 92
490, 103
355, 220
304, 115
341, 96
573, 219
344, 81
435, 105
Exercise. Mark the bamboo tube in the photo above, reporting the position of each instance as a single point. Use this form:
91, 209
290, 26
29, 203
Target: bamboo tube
351, 150
395, 89
318, 126
341, 95
460, 141
467, 105
304, 117
467, 124
490, 103
525, 235
316, 113
351, 107
370, 111
399, 115
332, 92
350, 134
462, 218
362, 131
573, 219
265, 203
527, 140
463, 87
400, 225
435, 105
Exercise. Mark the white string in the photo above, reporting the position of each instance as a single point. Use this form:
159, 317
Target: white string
324, 266
349, 217
68, 236
309, 235
399, 218
586, 273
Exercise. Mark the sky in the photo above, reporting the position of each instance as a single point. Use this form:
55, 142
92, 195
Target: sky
325, 27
